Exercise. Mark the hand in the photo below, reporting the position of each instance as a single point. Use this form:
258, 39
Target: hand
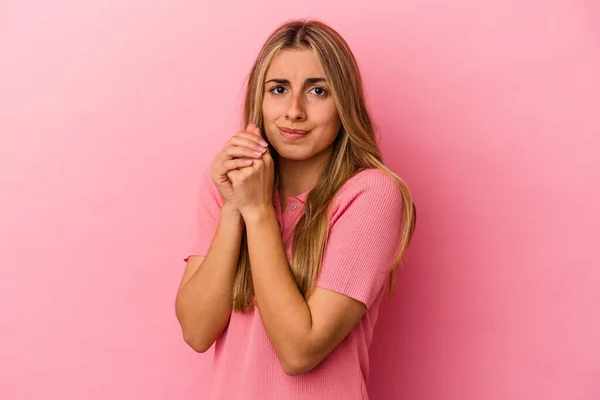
253, 185
238, 152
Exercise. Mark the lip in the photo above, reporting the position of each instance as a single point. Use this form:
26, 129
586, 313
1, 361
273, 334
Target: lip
293, 133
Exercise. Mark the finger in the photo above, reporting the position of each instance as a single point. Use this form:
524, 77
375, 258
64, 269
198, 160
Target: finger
251, 129
237, 163
267, 157
245, 134
241, 152
258, 164
251, 142
233, 175
259, 134
251, 136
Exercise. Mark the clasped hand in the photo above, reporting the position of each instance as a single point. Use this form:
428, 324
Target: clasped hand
243, 171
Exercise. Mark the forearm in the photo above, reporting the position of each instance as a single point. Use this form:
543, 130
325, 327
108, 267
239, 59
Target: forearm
204, 302
284, 312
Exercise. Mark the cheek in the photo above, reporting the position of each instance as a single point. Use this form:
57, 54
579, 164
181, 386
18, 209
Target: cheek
271, 109
269, 115
327, 116
334, 123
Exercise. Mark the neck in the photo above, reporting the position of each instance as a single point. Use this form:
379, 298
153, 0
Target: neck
299, 176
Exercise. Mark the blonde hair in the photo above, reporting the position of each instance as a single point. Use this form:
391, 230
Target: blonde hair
354, 149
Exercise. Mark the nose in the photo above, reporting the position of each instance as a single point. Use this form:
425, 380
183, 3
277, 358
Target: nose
295, 111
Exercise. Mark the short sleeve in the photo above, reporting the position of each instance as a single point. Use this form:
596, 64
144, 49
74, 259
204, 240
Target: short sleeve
208, 210
365, 229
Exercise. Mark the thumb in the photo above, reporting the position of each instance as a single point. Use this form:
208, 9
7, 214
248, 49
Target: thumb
253, 128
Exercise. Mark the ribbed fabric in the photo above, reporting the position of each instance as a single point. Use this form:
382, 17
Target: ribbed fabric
364, 232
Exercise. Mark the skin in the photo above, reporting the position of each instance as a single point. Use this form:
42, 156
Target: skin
299, 104
302, 332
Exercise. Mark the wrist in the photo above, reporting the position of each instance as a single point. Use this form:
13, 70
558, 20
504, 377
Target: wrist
258, 213
230, 211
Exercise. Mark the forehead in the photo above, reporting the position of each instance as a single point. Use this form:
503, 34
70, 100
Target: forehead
294, 65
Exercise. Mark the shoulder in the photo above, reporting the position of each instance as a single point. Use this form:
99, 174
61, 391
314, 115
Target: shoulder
368, 191
370, 183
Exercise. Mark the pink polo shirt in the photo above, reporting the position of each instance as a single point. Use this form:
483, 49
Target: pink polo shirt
364, 232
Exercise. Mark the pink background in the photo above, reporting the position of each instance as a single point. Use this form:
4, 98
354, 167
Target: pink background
489, 110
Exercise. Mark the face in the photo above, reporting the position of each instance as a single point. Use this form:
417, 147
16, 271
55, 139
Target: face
299, 114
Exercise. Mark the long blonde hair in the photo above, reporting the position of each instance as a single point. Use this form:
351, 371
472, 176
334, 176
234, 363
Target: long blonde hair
354, 149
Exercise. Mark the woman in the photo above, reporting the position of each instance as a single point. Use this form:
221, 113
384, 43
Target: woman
301, 228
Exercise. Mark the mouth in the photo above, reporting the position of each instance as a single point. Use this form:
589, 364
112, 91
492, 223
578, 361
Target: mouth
292, 133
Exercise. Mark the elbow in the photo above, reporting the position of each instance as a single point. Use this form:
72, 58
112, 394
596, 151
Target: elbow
197, 336
296, 364
197, 343
198, 340
294, 370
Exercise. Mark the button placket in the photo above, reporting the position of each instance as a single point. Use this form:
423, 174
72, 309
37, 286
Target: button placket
279, 213
292, 220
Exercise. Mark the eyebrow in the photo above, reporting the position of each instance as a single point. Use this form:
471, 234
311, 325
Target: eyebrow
287, 82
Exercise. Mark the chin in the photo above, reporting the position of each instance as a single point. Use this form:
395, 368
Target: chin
290, 154
298, 153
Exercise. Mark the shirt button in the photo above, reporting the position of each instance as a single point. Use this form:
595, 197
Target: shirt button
294, 206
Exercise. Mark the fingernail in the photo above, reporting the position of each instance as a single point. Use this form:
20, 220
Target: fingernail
263, 143
256, 153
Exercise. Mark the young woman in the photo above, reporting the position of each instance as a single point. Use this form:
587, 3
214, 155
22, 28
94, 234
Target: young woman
301, 229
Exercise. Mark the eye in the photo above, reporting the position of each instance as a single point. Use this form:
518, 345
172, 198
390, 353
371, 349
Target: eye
319, 91
277, 89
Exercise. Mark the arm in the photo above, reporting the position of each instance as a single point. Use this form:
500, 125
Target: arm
302, 333
364, 234
363, 240
204, 298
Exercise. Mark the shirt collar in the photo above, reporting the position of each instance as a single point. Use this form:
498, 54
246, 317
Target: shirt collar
301, 197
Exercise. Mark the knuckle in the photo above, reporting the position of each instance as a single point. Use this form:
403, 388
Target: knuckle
251, 139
